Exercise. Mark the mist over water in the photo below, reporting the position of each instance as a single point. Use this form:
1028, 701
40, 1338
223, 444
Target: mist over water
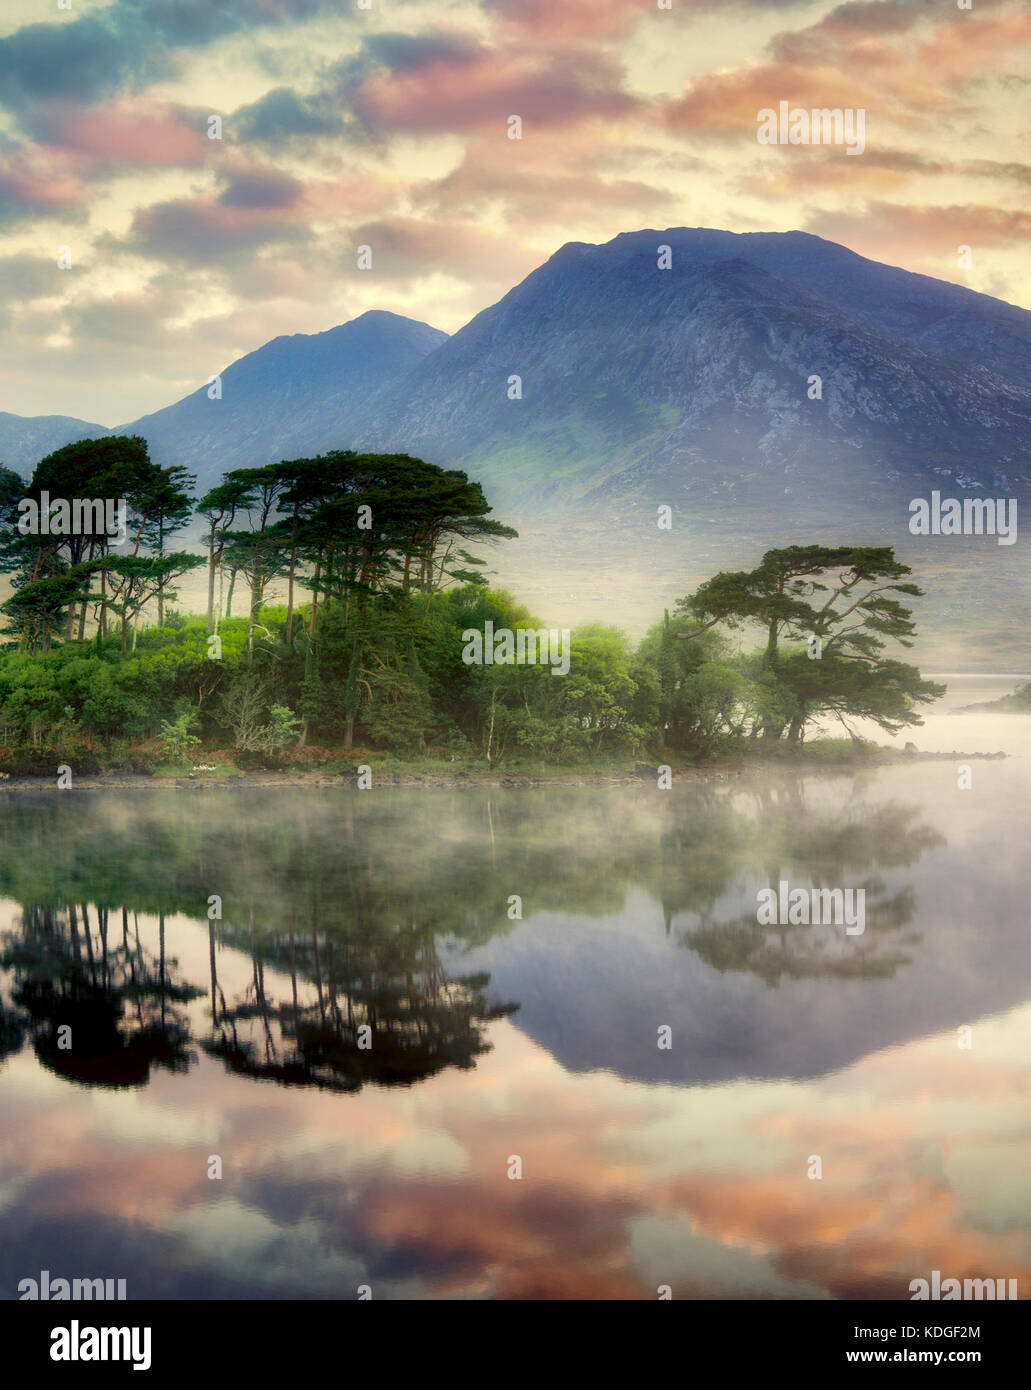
534, 1036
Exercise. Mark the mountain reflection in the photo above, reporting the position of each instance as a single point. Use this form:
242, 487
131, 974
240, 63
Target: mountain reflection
331, 921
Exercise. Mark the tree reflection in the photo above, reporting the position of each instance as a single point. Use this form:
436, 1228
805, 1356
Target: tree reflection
341, 912
98, 1012
785, 839
365, 1004
384, 1010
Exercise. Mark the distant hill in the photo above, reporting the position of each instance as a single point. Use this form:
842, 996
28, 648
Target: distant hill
24, 440
687, 387
1019, 702
296, 396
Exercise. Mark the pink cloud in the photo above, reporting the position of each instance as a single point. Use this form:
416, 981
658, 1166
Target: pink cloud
451, 94
131, 133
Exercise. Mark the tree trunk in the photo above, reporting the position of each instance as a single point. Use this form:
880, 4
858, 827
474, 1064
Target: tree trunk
290, 597
161, 581
315, 594
82, 610
211, 579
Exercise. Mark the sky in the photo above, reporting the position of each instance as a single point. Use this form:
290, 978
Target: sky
388, 127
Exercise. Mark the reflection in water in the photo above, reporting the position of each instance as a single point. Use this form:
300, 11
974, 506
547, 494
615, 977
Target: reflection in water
385, 1011
98, 1012
103, 1013
807, 847
350, 919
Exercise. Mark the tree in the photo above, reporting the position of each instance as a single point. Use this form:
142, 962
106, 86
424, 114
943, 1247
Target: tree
219, 507
169, 508
136, 579
845, 631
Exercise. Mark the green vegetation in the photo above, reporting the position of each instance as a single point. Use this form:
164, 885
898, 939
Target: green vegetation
1019, 702
100, 671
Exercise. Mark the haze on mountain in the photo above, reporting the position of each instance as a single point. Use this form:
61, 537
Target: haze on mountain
689, 384
299, 395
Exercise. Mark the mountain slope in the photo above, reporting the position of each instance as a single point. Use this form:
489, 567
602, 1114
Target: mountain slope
294, 397
641, 382
937, 315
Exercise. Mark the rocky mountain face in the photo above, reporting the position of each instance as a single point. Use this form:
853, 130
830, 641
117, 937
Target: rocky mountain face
694, 383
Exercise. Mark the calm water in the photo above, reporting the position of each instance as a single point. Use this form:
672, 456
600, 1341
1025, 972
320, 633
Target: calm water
495, 1037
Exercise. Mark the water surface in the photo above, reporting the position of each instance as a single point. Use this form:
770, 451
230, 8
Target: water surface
498, 1036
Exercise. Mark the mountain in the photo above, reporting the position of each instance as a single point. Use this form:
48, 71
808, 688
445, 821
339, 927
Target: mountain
296, 396
25, 439
687, 387
690, 384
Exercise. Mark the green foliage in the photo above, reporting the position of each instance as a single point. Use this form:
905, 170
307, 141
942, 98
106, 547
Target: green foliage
177, 738
377, 546
282, 728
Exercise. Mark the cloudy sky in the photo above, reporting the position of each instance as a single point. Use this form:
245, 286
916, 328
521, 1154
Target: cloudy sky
387, 126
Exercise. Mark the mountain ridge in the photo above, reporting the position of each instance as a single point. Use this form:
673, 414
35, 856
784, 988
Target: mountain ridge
691, 382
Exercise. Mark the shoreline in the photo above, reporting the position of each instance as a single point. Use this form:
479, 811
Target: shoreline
390, 777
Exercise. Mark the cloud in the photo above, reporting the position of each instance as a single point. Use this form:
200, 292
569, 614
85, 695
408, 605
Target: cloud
727, 104
552, 182
847, 23
25, 276
206, 231
127, 133
457, 87
283, 115
590, 20
900, 231
408, 246
133, 319
196, 23
77, 62
847, 60
129, 45
36, 187
253, 187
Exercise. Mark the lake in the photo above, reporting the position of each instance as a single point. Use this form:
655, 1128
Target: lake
590, 1072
